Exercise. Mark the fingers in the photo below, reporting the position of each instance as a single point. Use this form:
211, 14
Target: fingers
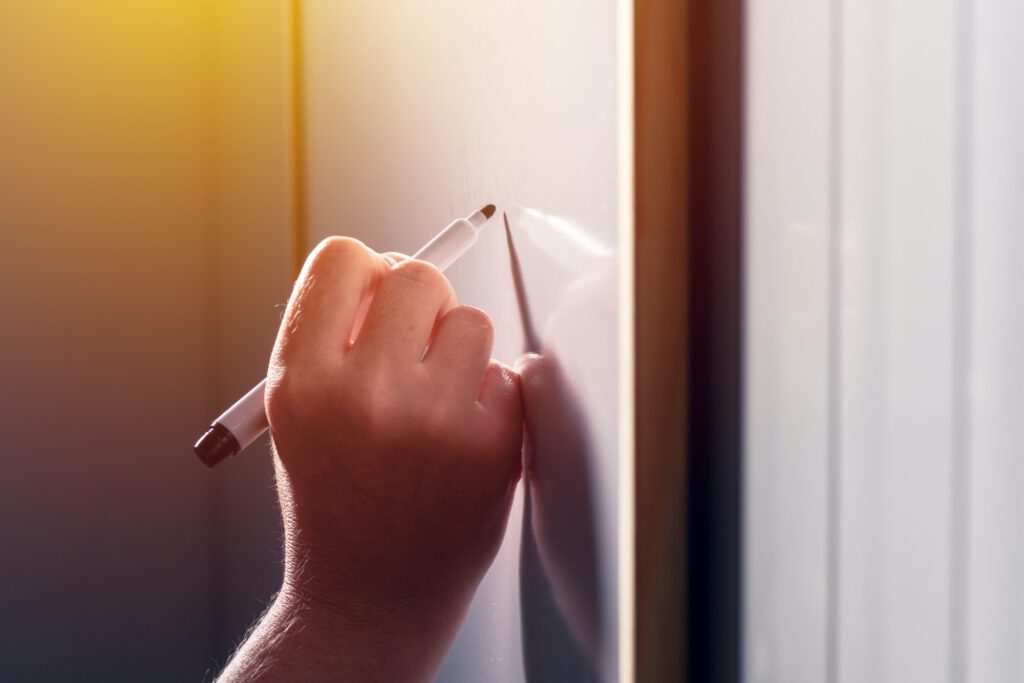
547, 411
499, 393
395, 257
461, 350
336, 277
409, 300
539, 381
500, 396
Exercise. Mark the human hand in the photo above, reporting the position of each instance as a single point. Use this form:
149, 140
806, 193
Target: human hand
395, 469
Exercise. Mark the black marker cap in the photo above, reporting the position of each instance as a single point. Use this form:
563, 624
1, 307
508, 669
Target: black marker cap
216, 444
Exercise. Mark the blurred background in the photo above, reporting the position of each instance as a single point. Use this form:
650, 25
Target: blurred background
164, 168
151, 155
144, 226
884, 380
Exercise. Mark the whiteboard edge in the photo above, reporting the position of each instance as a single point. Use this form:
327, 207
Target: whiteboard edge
626, 531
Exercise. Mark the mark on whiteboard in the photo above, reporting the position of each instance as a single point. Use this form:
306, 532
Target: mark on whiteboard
559, 238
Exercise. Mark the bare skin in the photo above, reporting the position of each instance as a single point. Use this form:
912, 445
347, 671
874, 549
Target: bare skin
395, 470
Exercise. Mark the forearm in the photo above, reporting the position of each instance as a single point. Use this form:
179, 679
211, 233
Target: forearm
294, 641
272, 647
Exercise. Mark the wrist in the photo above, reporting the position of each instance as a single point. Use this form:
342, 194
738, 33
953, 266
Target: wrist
383, 630
360, 644
354, 592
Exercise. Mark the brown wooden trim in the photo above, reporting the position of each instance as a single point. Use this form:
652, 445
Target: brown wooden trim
688, 268
661, 168
299, 228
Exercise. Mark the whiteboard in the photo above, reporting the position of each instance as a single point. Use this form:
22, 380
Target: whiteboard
419, 113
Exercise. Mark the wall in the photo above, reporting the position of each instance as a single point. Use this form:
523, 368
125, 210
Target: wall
883, 537
251, 267
141, 163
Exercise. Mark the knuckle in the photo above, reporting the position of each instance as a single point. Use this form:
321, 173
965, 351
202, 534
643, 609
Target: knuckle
421, 273
335, 249
474, 319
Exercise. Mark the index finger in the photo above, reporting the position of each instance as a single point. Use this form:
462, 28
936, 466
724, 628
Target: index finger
395, 257
407, 304
321, 312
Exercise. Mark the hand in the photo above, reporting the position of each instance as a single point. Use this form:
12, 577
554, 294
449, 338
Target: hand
395, 469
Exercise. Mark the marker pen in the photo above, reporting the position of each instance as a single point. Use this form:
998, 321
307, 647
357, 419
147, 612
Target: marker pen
242, 423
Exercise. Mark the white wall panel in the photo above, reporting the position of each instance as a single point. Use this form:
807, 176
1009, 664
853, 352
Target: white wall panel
896, 98
924, 328
995, 585
786, 293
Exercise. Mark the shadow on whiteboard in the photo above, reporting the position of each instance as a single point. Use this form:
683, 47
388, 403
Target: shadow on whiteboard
567, 557
558, 570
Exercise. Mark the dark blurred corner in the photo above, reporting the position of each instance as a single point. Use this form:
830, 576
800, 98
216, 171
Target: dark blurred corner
715, 349
144, 205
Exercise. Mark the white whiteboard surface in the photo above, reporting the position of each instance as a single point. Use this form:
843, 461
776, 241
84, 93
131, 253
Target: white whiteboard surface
419, 113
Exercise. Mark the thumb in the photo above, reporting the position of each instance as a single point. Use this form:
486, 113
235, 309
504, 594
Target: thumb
540, 388
499, 392
500, 396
